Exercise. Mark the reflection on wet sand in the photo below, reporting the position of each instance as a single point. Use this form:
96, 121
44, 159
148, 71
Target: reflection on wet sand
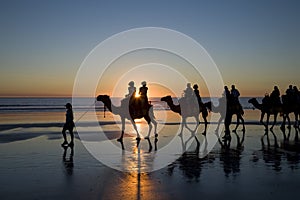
230, 157
189, 162
274, 154
68, 162
136, 184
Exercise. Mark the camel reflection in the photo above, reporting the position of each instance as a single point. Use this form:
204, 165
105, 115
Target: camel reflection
230, 157
275, 154
191, 162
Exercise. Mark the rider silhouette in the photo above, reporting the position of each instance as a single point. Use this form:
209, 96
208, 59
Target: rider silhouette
131, 89
197, 94
296, 94
143, 95
275, 96
188, 92
235, 94
289, 92
227, 94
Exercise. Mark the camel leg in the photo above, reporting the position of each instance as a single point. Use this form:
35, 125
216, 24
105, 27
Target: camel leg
183, 123
218, 126
155, 127
237, 123
289, 121
262, 115
275, 120
152, 119
204, 115
135, 128
282, 127
150, 127
123, 129
243, 122
296, 120
197, 124
227, 123
267, 123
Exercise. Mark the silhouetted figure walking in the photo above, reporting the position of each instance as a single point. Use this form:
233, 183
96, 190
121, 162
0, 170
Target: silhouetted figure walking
69, 125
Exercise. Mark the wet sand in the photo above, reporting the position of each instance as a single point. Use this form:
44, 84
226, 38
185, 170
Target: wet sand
34, 166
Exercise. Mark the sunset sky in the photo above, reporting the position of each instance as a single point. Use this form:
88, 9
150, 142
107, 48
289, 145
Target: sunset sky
255, 44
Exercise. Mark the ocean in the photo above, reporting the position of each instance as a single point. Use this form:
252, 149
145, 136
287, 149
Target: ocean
11, 105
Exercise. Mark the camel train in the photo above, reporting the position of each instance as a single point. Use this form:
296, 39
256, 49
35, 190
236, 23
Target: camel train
191, 105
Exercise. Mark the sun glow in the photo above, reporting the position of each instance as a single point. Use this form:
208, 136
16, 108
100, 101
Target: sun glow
137, 95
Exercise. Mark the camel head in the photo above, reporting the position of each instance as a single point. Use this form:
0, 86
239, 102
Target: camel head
166, 98
252, 100
103, 98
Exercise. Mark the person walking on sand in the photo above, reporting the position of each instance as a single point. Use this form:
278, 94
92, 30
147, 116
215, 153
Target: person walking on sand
69, 125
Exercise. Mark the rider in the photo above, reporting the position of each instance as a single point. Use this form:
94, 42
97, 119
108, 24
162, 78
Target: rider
275, 96
235, 94
296, 94
290, 93
197, 94
131, 89
188, 92
143, 94
227, 94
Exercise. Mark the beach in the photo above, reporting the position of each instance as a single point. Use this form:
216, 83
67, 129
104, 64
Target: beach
35, 166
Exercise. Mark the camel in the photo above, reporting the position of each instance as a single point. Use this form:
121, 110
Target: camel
230, 111
188, 113
130, 112
269, 110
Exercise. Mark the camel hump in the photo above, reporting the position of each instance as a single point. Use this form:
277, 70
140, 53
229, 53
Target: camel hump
138, 107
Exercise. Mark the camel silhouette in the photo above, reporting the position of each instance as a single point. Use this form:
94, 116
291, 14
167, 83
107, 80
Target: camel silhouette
230, 111
269, 110
185, 113
130, 112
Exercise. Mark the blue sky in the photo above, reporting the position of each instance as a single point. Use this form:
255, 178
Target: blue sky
255, 44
